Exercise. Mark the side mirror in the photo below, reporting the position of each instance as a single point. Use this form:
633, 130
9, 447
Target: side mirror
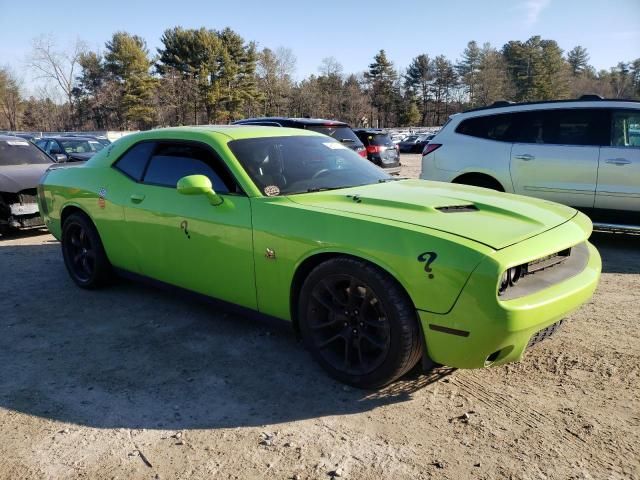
198, 185
60, 157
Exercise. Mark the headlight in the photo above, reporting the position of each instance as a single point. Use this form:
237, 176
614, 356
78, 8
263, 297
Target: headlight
510, 277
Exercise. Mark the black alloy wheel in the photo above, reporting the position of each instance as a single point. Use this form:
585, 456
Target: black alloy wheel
359, 323
83, 252
350, 326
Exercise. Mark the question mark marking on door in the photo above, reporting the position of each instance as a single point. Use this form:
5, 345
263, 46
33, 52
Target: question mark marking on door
428, 258
184, 226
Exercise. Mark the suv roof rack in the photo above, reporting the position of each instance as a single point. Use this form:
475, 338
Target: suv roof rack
583, 98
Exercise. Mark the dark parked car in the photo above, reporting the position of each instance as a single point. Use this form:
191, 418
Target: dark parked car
102, 139
70, 149
380, 149
415, 143
339, 130
21, 166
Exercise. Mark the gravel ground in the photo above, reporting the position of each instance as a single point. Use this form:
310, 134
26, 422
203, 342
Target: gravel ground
131, 382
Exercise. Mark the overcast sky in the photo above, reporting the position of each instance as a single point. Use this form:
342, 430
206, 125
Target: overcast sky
350, 31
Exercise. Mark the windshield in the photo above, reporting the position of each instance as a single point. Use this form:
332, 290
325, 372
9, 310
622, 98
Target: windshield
81, 146
289, 165
21, 152
411, 138
341, 133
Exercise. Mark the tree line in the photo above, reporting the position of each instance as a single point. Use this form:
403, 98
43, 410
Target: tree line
206, 76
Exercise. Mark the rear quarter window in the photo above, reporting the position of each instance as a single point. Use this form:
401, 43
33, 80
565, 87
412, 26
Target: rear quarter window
134, 160
498, 127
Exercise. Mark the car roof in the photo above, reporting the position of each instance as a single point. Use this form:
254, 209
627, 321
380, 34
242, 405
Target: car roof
371, 131
589, 102
294, 120
4, 138
67, 137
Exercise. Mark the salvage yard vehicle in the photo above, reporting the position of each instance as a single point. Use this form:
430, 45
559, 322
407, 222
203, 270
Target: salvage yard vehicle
584, 153
21, 166
373, 271
70, 149
339, 130
380, 149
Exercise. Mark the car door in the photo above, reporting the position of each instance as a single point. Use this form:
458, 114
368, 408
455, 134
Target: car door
619, 168
185, 241
555, 154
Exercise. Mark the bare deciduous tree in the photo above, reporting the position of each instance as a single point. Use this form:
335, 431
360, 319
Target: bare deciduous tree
57, 66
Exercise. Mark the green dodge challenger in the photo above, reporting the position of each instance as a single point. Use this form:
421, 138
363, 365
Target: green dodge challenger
374, 272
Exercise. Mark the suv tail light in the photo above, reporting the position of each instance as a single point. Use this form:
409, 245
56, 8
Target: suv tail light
362, 152
374, 149
430, 147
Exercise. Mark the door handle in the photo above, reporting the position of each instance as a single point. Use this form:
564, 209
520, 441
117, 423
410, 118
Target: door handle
618, 161
526, 157
137, 197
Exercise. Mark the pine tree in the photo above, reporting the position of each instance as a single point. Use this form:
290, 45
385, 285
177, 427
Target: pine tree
381, 78
469, 68
418, 78
128, 63
578, 60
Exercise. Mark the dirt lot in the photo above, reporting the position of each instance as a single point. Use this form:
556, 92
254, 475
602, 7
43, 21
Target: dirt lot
130, 382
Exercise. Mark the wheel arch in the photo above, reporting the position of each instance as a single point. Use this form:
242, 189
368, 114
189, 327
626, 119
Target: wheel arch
469, 176
71, 208
306, 266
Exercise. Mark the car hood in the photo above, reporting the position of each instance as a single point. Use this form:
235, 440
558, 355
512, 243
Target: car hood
14, 178
492, 218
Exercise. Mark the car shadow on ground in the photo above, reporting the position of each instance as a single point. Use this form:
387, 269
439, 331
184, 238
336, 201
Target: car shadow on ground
620, 252
132, 356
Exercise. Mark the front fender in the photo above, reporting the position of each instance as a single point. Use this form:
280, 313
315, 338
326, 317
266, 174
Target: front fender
431, 266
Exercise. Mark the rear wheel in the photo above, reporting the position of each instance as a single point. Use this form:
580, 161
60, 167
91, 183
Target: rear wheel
359, 323
83, 252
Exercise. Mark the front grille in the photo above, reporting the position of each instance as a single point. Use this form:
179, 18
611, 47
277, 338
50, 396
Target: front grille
544, 333
546, 271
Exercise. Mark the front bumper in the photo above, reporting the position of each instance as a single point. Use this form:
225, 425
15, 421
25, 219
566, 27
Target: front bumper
481, 330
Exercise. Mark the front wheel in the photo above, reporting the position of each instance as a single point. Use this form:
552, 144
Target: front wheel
83, 252
359, 323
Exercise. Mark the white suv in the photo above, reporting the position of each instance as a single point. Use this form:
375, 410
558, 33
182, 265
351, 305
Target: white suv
583, 153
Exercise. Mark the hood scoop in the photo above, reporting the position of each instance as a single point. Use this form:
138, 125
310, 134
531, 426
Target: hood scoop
458, 208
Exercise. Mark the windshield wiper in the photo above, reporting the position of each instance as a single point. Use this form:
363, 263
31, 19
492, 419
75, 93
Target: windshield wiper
324, 189
345, 140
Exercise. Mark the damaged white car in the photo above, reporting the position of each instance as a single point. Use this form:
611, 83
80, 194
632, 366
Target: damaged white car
21, 166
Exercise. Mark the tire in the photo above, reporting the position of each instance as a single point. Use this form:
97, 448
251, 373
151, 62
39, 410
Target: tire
358, 323
480, 181
83, 253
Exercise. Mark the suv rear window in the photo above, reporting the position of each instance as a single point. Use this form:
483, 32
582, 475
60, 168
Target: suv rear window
381, 139
492, 127
340, 133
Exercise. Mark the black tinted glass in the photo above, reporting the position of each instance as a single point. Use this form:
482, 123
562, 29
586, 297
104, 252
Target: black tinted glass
171, 162
380, 139
492, 127
299, 164
135, 159
578, 126
21, 152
